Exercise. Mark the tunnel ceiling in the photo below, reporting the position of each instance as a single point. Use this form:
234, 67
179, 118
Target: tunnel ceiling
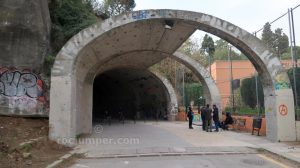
144, 44
139, 60
133, 77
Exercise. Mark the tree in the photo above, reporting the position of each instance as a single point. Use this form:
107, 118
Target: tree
238, 102
281, 42
191, 47
267, 35
208, 45
110, 8
297, 74
68, 17
287, 55
248, 92
221, 51
277, 41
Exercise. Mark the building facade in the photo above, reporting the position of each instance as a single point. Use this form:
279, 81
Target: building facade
241, 69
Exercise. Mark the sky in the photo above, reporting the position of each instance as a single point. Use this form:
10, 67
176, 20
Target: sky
250, 15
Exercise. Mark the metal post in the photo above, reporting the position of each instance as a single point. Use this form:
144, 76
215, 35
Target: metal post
175, 76
209, 64
231, 78
256, 89
183, 94
293, 58
294, 38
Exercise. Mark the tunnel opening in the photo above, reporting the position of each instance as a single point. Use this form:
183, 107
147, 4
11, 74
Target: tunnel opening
129, 94
139, 35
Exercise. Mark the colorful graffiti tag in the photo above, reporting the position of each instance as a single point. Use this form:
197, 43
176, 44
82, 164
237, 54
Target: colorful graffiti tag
282, 82
22, 90
138, 15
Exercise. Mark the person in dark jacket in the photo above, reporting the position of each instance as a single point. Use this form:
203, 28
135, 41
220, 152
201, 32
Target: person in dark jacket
216, 117
191, 117
208, 117
228, 120
203, 111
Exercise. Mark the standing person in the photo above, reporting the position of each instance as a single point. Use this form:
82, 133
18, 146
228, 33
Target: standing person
208, 117
203, 111
216, 117
191, 117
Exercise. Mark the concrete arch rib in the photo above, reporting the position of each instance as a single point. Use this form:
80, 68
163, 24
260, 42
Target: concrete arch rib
210, 89
145, 31
173, 103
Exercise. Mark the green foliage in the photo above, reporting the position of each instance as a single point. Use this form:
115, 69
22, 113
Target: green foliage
287, 54
244, 111
267, 35
208, 45
281, 41
248, 92
297, 74
192, 93
191, 47
277, 41
68, 18
48, 63
110, 8
238, 102
171, 69
221, 52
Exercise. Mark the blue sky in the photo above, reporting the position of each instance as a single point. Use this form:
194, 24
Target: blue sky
250, 15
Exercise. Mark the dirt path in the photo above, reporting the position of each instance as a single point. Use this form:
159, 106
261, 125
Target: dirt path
14, 131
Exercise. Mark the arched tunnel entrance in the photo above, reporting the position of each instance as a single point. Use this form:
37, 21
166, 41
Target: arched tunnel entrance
140, 39
129, 94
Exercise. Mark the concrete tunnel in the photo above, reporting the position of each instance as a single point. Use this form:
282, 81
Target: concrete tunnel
144, 94
132, 93
140, 39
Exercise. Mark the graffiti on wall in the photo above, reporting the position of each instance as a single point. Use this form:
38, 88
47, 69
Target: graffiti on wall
138, 15
282, 82
22, 90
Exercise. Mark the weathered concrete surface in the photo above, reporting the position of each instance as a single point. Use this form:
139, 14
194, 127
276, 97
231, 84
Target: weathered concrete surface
174, 138
144, 59
24, 42
22, 92
24, 33
147, 94
172, 104
210, 89
142, 31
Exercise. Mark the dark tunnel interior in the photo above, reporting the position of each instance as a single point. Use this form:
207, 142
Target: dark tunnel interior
129, 94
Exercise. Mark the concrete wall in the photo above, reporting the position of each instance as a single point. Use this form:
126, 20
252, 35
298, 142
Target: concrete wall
172, 104
22, 92
298, 130
210, 89
24, 43
221, 74
24, 33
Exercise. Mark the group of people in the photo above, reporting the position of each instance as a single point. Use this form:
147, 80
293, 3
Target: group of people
207, 116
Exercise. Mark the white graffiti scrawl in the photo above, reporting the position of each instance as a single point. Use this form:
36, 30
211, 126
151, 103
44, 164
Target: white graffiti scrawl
22, 91
15, 83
